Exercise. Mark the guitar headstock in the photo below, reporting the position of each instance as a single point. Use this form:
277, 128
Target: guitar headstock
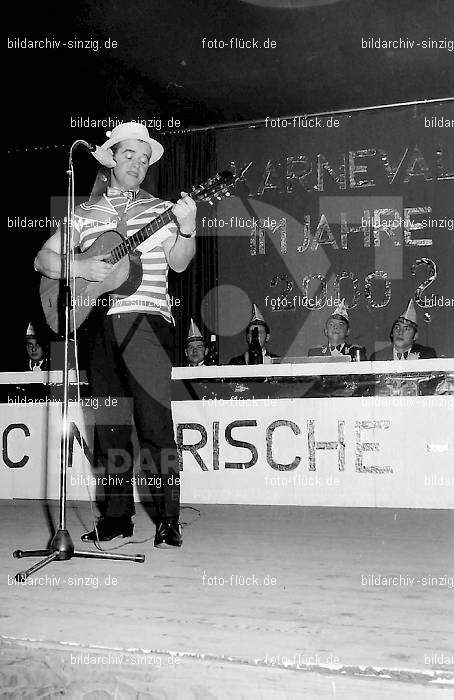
217, 187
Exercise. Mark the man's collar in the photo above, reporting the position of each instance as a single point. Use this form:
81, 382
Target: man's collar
117, 192
35, 364
403, 353
338, 347
102, 198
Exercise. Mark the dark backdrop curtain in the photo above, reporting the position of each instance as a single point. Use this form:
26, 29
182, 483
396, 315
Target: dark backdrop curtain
190, 159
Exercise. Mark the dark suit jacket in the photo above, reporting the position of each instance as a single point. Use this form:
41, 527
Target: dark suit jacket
425, 353
323, 350
241, 360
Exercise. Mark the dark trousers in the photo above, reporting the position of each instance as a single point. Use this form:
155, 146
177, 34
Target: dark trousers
129, 371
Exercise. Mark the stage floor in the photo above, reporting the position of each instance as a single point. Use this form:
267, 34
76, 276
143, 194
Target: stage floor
261, 601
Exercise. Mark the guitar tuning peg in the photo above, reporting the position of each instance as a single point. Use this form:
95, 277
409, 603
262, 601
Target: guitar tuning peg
218, 197
227, 194
210, 201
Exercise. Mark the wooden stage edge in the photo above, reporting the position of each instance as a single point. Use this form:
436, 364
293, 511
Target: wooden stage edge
338, 602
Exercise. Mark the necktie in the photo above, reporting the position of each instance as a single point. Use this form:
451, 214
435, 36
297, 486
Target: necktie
402, 355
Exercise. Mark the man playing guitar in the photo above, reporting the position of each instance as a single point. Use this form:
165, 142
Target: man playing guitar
131, 344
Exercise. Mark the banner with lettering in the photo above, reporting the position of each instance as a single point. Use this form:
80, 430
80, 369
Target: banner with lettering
261, 452
292, 452
357, 206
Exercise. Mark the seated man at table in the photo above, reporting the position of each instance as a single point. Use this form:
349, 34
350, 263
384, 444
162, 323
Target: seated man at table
257, 321
403, 336
37, 355
196, 349
337, 328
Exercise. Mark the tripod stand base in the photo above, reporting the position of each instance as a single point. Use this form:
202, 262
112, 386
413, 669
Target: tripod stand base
61, 548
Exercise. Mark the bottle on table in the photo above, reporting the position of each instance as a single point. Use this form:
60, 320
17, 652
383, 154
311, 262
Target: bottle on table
356, 354
255, 349
212, 356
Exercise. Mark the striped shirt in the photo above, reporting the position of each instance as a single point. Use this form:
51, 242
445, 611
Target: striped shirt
107, 213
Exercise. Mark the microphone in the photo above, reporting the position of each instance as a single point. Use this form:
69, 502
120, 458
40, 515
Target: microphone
102, 155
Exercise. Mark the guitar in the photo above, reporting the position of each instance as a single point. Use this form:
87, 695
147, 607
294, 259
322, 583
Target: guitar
125, 276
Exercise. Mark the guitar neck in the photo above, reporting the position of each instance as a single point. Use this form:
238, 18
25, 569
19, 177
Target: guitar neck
130, 244
216, 187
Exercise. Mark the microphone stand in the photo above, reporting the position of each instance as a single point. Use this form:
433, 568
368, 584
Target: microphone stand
61, 547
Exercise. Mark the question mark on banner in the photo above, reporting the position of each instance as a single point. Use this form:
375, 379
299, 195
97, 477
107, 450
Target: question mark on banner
432, 277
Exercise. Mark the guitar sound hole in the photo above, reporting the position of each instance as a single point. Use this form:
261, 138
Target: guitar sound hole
132, 283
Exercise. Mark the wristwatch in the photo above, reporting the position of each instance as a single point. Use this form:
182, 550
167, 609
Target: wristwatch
188, 235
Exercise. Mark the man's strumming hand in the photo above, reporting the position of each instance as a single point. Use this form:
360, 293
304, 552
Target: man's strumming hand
94, 268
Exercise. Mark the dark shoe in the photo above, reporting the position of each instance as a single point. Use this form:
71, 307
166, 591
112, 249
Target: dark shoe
168, 534
108, 528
